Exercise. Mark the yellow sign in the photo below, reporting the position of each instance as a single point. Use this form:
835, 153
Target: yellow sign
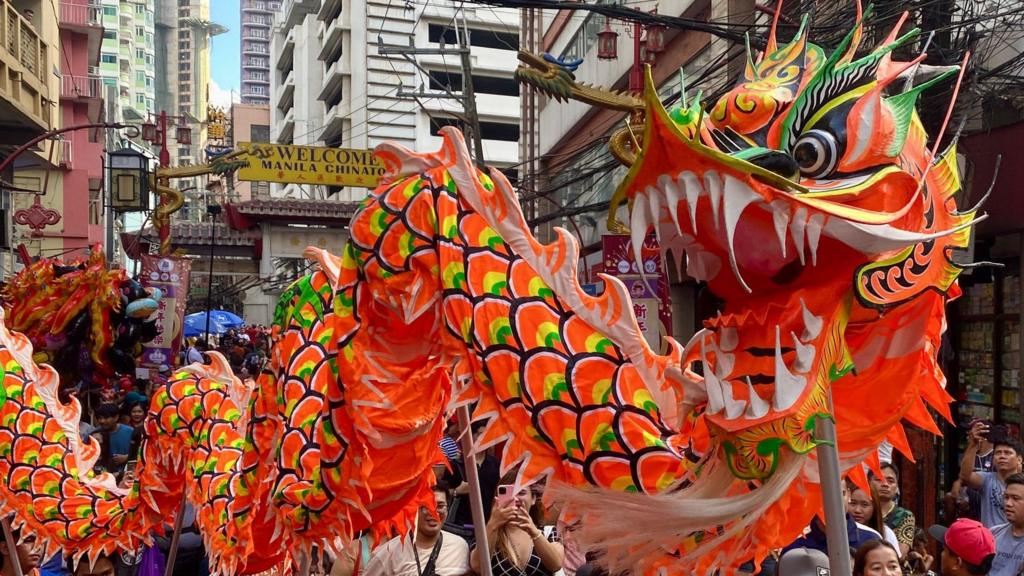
310, 165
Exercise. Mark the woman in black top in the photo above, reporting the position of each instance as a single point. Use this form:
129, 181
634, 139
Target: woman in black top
519, 547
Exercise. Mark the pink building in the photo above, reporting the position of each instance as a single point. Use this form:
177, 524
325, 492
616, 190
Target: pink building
250, 123
81, 102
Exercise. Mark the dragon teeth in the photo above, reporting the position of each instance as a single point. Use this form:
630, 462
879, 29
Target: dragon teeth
757, 407
737, 197
780, 217
804, 355
796, 229
692, 188
638, 228
713, 186
788, 387
673, 197
812, 323
716, 395
728, 338
814, 225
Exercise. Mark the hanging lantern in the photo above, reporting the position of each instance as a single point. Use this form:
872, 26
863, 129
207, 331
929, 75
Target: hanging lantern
183, 134
149, 132
646, 56
655, 38
607, 43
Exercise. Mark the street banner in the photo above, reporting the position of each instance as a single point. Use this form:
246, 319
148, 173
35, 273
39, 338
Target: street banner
170, 275
310, 165
651, 302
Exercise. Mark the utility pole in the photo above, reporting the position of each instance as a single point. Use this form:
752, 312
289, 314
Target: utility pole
470, 117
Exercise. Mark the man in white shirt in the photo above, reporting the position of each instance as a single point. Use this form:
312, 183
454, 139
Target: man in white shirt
430, 552
1009, 537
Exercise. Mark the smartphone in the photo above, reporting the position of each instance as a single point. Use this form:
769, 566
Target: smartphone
997, 433
129, 467
506, 496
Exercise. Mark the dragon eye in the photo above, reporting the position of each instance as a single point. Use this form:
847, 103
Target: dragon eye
816, 153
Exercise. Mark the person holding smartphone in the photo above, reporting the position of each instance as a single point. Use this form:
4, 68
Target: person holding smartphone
518, 546
1006, 461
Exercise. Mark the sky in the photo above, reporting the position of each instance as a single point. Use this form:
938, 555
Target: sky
225, 69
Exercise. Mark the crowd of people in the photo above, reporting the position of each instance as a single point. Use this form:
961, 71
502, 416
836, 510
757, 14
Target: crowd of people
984, 511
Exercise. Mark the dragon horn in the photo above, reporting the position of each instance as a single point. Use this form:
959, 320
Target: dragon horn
858, 32
772, 44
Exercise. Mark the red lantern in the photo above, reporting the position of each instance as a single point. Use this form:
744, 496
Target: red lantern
655, 38
607, 43
149, 132
646, 56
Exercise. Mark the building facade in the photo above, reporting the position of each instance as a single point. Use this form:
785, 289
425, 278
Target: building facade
330, 85
257, 18
250, 123
128, 54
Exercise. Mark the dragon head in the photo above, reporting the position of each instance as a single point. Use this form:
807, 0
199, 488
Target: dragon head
811, 172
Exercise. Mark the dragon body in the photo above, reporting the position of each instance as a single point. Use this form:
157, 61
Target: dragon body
808, 201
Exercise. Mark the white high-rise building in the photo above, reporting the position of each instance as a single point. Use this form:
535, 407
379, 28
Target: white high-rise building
330, 86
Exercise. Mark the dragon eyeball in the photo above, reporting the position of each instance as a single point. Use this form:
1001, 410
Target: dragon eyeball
816, 153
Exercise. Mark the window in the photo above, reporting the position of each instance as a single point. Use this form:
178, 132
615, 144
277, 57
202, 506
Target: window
334, 100
109, 34
140, 98
184, 67
140, 9
110, 10
140, 76
140, 53
488, 130
108, 59
183, 34
140, 31
478, 37
259, 133
184, 152
481, 84
185, 77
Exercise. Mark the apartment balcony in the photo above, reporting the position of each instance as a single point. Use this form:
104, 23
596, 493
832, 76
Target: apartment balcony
85, 19
334, 121
333, 40
286, 51
255, 47
294, 11
329, 9
80, 87
255, 34
286, 96
334, 78
284, 130
66, 156
247, 65
24, 96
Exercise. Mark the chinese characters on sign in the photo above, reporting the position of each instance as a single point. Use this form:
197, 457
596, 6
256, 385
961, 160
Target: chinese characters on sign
651, 303
310, 165
170, 275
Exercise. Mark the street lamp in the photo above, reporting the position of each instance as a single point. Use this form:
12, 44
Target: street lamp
213, 210
129, 180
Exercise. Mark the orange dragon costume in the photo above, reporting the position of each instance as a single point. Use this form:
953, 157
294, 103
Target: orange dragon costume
807, 199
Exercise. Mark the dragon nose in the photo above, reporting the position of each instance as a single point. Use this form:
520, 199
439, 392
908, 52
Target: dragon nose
780, 163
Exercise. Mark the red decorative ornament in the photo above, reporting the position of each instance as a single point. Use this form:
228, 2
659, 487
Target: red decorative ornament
37, 217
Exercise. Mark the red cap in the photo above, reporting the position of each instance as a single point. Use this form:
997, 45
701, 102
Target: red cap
968, 539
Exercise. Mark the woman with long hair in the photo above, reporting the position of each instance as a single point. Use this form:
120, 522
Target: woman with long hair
866, 508
518, 546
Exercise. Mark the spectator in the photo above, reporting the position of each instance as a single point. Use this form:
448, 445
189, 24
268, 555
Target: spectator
489, 474
919, 561
802, 562
1006, 460
194, 353
876, 558
815, 536
431, 552
518, 545
866, 509
28, 553
967, 548
134, 414
117, 437
449, 442
899, 519
1009, 537
191, 559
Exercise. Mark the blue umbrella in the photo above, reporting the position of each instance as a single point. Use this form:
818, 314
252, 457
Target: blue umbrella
220, 322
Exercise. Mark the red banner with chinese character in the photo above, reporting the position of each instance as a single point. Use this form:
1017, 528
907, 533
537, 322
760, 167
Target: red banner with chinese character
170, 275
651, 302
